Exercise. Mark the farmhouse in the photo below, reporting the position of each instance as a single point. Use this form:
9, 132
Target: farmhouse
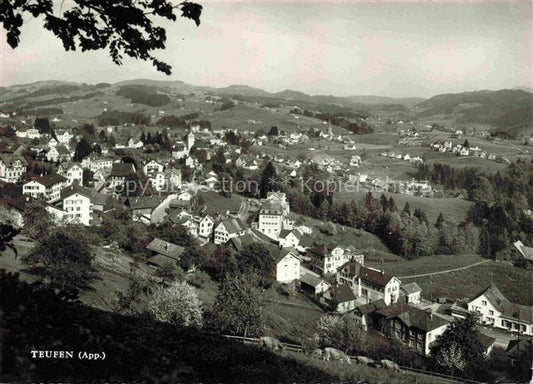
288, 265
369, 283
163, 252
414, 327
229, 228
327, 259
497, 311
47, 187
12, 167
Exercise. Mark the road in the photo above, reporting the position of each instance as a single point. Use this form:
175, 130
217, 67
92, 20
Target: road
447, 271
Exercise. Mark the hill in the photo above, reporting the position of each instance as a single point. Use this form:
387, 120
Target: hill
507, 110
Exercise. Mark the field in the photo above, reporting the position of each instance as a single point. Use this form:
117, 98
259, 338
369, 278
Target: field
515, 284
427, 264
354, 372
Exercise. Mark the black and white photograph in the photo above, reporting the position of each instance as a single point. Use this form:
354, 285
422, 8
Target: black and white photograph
266, 191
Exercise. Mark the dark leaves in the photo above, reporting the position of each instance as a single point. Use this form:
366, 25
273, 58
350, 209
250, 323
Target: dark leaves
192, 11
122, 27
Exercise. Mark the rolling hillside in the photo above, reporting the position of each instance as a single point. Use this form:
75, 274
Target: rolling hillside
507, 110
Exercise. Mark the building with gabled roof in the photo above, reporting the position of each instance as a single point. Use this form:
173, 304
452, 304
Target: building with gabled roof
229, 228
495, 310
340, 298
47, 187
369, 283
163, 252
414, 327
119, 173
287, 265
12, 167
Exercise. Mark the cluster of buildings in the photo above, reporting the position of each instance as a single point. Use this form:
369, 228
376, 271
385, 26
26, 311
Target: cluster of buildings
462, 150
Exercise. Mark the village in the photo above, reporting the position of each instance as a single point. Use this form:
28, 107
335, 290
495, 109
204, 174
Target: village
153, 187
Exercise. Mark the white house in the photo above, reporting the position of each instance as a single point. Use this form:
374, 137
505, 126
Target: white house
73, 172
412, 292
12, 168
58, 153
328, 259
205, 226
64, 136
228, 229
77, 205
369, 283
495, 310
153, 166
272, 215
47, 187
288, 265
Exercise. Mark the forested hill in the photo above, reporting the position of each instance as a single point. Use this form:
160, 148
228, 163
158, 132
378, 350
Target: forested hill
508, 110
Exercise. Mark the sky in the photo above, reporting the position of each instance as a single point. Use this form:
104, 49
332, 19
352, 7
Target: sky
339, 48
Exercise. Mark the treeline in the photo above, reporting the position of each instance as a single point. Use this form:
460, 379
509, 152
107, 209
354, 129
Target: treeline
502, 202
143, 95
177, 121
114, 117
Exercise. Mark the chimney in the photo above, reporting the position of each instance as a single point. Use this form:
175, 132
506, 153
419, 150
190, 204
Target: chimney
429, 313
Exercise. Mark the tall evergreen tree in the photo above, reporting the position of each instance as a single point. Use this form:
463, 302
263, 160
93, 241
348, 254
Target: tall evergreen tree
269, 180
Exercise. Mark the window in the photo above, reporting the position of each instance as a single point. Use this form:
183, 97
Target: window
491, 312
483, 302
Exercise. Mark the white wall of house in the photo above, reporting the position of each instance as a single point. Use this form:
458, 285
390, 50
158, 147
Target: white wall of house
78, 209
288, 269
205, 227
34, 189
432, 336
270, 224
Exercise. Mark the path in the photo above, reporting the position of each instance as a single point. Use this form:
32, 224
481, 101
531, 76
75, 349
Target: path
447, 271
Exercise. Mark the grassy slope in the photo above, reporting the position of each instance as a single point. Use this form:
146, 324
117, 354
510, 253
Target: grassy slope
515, 284
427, 264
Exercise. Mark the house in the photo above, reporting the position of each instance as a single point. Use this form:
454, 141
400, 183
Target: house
76, 204
73, 172
119, 173
47, 187
327, 259
163, 252
179, 150
64, 136
488, 344
369, 283
525, 252
58, 153
168, 180
312, 283
205, 226
411, 292
12, 167
290, 238
149, 209
30, 133
519, 350
495, 310
414, 327
229, 228
363, 313
340, 298
287, 265
153, 166
355, 161
272, 215
94, 164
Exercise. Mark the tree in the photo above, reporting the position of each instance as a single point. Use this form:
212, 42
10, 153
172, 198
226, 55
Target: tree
65, 260
37, 221
339, 332
440, 220
125, 28
268, 181
459, 349
83, 149
167, 272
239, 308
178, 304
274, 131
255, 259
466, 144
406, 209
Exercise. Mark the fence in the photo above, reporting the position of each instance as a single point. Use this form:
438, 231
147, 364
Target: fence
300, 349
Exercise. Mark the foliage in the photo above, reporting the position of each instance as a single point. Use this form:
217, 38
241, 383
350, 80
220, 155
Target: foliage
137, 347
459, 350
112, 117
146, 95
178, 304
64, 260
125, 28
239, 308
37, 221
83, 149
